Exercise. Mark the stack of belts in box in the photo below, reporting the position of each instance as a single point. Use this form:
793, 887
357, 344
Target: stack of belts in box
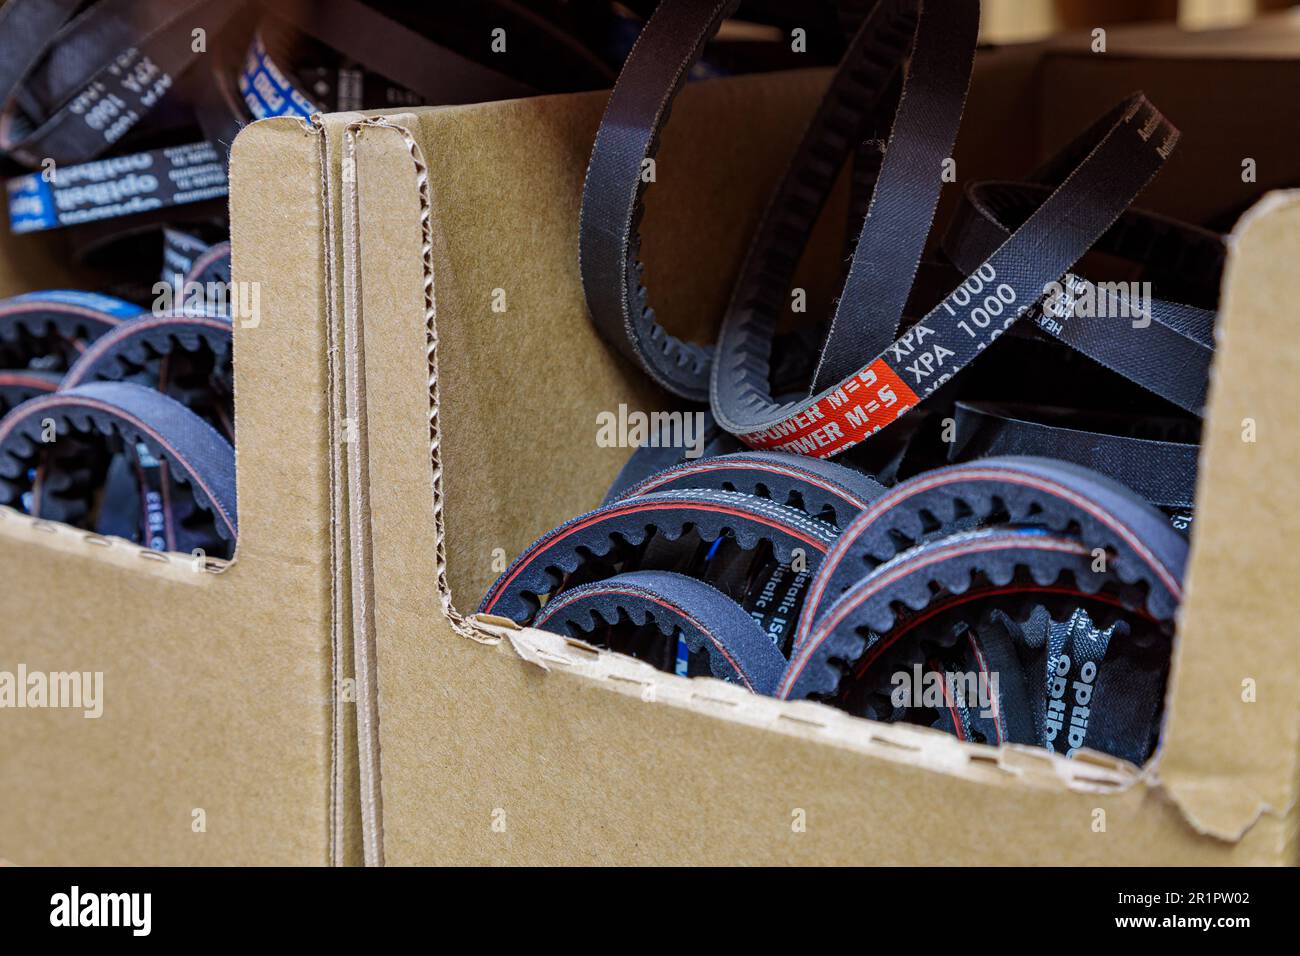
968, 508
116, 118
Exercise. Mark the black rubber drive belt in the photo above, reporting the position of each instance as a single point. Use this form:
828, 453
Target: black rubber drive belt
876, 600
999, 711
1161, 471
142, 351
990, 654
656, 68
110, 357
770, 591
1058, 496
211, 265
1165, 347
654, 71
1124, 150
100, 74
59, 319
193, 258
823, 489
26, 28
432, 71
18, 385
401, 63
709, 623
849, 645
67, 312
542, 568
197, 455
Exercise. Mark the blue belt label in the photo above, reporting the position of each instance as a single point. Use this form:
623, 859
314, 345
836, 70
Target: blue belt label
118, 186
266, 90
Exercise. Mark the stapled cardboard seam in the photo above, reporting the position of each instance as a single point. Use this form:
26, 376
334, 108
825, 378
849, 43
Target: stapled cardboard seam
91, 541
918, 746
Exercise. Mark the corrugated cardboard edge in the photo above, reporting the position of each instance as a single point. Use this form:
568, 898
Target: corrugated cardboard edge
69, 540
346, 831
340, 588
363, 619
358, 503
344, 824
345, 828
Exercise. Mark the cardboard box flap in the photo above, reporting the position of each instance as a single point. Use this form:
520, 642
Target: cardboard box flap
1272, 36
1232, 737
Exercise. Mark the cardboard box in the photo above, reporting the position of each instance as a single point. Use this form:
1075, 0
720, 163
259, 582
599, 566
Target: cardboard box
485, 743
226, 736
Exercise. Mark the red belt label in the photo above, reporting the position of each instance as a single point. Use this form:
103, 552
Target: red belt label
862, 405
